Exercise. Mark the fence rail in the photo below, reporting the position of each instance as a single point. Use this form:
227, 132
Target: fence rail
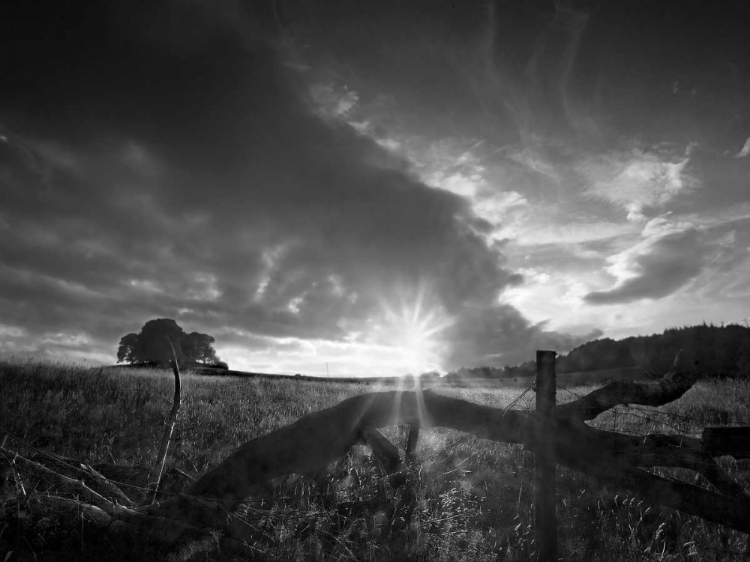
309, 445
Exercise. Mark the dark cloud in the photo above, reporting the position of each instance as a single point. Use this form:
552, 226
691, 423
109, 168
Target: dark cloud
502, 336
667, 264
593, 71
153, 169
167, 160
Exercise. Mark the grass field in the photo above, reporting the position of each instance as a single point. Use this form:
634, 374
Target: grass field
474, 496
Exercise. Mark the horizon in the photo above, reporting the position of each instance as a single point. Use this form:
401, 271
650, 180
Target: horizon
371, 189
440, 373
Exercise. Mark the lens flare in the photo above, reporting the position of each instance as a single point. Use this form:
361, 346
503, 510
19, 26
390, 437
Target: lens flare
412, 330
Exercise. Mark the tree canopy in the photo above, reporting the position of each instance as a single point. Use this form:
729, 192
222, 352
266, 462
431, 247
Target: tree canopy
718, 350
151, 345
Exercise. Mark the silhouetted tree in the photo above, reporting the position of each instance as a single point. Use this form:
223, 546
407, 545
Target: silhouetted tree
151, 345
127, 352
199, 347
743, 359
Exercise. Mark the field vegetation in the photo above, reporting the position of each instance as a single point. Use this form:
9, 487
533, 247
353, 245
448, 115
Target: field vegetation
474, 497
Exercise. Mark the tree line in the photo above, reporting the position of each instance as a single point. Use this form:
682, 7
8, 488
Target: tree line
717, 351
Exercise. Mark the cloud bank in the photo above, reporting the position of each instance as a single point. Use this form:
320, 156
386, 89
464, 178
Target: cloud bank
176, 166
316, 183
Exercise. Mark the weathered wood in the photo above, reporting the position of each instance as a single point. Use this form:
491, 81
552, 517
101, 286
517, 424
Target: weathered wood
588, 407
314, 441
90, 476
728, 511
545, 519
411, 442
385, 452
154, 476
734, 441
132, 479
38, 477
657, 450
64, 494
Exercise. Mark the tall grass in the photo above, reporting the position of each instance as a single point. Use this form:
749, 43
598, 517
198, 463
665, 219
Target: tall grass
473, 497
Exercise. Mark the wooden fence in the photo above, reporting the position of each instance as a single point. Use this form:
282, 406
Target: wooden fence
557, 434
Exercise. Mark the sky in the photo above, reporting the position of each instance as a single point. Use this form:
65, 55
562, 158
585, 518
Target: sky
371, 187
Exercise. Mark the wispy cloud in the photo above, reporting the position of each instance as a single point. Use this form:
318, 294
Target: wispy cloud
272, 181
636, 179
669, 256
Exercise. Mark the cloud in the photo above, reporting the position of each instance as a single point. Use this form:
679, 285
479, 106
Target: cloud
197, 161
503, 336
669, 257
193, 174
636, 179
745, 149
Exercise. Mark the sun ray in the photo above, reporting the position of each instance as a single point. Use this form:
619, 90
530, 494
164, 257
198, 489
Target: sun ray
412, 329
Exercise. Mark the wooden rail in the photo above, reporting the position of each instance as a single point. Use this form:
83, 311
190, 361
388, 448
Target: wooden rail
314, 441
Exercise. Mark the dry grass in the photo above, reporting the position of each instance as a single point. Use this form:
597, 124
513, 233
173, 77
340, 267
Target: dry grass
473, 496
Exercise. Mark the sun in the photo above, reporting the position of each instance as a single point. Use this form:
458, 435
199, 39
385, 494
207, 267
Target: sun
412, 330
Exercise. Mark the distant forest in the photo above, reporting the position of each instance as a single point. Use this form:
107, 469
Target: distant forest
716, 351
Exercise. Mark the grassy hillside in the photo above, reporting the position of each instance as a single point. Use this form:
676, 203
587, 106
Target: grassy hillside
474, 496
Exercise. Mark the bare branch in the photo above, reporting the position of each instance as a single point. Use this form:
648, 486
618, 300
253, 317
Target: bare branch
155, 476
588, 407
89, 475
43, 478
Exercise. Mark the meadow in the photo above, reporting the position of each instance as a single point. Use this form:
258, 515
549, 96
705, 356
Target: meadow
474, 497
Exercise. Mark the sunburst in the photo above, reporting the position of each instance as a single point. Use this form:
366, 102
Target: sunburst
413, 328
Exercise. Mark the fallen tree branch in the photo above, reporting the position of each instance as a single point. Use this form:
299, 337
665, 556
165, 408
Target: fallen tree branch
309, 445
314, 441
385, 452
49, 493
669, 451
671, 387
38, 477
133, 479
73, 468
729, 511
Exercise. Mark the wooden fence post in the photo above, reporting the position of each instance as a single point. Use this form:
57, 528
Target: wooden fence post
545, 530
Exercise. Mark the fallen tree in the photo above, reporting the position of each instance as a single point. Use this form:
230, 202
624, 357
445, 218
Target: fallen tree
313, 442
